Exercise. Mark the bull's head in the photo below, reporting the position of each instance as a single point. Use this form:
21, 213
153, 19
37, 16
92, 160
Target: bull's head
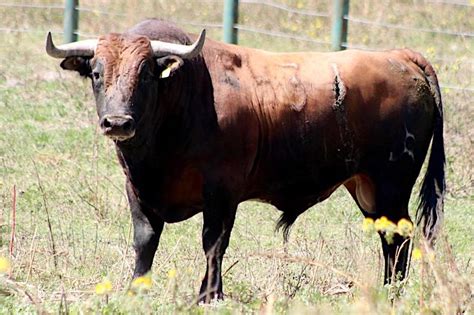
124, 69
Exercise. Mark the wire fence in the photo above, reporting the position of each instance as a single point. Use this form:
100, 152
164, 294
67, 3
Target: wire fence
408, 28
284, 25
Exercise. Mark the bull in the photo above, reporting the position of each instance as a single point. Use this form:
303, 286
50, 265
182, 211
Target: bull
200, 126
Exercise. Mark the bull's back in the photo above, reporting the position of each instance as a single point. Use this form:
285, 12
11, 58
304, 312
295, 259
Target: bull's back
314, 118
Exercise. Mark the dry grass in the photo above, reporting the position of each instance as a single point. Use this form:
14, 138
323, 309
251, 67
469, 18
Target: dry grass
51, 150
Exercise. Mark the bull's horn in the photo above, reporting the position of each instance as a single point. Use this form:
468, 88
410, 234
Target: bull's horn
83, 48
161, 49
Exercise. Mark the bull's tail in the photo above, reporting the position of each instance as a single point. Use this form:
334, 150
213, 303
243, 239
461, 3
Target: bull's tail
430, 208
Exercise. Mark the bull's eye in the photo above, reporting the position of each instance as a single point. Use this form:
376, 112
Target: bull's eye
97, 72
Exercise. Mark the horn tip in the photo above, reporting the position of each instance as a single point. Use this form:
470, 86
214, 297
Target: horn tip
49, 37
49, 42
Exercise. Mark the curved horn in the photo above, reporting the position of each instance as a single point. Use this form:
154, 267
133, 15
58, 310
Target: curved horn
83, 48
161, 49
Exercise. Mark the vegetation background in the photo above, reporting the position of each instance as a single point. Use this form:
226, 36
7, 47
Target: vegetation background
72, 228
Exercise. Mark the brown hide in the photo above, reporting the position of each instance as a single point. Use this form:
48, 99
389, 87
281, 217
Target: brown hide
317, 110
122, 56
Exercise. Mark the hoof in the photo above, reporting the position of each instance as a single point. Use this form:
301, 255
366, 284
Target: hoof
212, 298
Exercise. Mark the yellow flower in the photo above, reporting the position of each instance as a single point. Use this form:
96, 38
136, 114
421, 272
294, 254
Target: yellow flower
172, 273
368, 225
317, 24
4, 265
386, 227
143, 282
416, 254
384, 224
104, 287
404, 227
430, 51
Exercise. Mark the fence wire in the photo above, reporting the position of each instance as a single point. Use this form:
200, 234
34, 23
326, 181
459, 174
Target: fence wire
281, 34
464, 4
33, 6
286, 8
407, 28
296, 13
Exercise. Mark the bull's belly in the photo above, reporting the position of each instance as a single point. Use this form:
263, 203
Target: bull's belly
296, 202
299, 194
177, 213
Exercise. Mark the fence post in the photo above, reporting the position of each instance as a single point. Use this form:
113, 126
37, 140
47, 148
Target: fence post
71, 20
340, 9
231, 17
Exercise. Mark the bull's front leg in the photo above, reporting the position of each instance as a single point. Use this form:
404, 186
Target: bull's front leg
147, 229
219, 216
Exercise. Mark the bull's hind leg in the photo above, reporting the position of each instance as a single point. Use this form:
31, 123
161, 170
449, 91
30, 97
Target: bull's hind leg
392, 202
383, 198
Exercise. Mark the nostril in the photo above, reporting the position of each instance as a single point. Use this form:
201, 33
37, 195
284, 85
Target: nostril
118, 125
106, 123
127, 125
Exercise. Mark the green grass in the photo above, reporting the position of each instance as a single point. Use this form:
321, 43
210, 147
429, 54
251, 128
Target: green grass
64, 171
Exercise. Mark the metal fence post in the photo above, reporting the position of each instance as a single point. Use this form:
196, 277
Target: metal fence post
339, 24
231, 17
71, 20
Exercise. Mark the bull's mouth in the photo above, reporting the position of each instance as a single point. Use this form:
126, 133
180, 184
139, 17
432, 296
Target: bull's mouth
121, 137
118, 127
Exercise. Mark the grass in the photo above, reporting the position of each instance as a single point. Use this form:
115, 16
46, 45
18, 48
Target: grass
66, 173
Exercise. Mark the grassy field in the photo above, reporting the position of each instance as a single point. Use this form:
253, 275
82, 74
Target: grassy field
73, 228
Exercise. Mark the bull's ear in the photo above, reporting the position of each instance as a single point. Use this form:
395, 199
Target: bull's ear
78, 64
168, 65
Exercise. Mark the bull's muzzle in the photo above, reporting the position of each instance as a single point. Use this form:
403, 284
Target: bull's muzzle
118, 128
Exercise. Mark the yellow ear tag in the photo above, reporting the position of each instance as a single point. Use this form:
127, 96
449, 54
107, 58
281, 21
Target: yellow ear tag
165, 73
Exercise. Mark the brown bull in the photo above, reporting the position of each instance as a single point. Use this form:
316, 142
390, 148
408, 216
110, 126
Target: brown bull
203, 127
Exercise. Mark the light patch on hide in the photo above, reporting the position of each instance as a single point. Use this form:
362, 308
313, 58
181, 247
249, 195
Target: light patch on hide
293, 94
349, 151
290, 91
278, 87
339, 89
289, 65
397, 66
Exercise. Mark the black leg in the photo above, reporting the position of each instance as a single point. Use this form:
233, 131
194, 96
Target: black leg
397, 255
219, 216
147, 230
387, 196
393, 204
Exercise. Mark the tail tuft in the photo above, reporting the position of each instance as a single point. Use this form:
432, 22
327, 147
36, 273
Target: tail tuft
285, 222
